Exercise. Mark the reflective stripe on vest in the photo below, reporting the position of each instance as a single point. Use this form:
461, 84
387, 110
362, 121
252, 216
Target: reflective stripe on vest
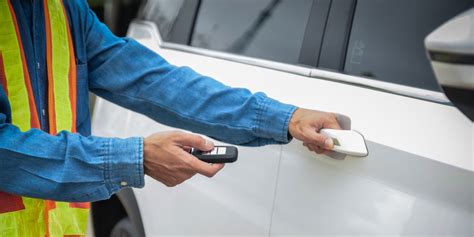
17, 82
23, 216
61, 75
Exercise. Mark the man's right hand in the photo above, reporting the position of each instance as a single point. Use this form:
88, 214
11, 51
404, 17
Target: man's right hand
166, 157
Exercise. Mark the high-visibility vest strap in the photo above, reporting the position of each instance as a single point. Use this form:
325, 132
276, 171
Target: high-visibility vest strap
61, 68
17, 81
24, 222
64, 220
22, 216
3, 77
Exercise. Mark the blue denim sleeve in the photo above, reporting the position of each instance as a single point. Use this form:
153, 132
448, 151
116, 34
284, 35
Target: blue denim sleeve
66, 167
123, 71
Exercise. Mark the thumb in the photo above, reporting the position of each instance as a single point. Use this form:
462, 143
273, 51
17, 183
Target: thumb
320, 140
195, 141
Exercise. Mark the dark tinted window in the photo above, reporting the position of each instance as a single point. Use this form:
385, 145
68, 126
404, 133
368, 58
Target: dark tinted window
164, 13
387, 39
269, 29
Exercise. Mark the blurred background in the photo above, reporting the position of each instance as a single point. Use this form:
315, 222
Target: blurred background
117, 14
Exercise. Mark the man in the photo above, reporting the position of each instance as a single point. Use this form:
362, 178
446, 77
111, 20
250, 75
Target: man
51, 53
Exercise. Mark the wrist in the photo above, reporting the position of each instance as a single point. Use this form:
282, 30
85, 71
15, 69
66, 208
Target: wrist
294, 121
147, 150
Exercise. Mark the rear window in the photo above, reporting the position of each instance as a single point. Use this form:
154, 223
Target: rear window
268, 29
387, 39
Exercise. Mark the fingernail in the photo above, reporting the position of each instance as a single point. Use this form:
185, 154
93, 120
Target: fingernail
328, 144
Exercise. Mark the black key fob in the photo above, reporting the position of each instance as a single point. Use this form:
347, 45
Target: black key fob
220, 154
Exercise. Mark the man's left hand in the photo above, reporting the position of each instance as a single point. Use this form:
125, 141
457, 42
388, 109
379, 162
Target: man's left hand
305, 125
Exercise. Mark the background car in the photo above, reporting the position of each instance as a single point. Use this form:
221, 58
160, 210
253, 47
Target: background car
365, 59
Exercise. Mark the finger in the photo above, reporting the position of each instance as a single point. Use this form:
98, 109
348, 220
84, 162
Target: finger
196, 141
318, 150
309, 148
207, 169
315, 148
187, 148
332, 122
315, 138
204, 168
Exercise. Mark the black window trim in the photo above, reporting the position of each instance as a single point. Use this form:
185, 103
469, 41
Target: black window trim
314, 33
183, 29
336, 35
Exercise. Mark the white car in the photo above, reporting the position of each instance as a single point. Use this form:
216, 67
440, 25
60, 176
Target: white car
365, 59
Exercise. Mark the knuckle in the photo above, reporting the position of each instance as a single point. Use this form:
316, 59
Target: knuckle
200, 140
196, 140
175, 135
334, 119
331, 118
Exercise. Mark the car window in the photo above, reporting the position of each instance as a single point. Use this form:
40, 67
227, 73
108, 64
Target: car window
163, 13
387, 39
268, 29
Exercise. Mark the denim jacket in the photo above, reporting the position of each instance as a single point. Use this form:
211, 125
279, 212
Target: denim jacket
81, 167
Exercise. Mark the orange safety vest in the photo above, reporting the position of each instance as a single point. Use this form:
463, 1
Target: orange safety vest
24, 216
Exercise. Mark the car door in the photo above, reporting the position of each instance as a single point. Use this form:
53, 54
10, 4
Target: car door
360, 58
418, 176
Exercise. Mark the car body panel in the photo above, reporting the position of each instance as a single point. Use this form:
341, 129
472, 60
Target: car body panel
416, 180
390, 192
238, 200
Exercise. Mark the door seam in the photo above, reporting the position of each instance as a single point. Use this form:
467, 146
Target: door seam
275, 191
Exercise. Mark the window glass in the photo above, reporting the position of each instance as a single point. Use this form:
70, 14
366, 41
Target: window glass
269, 29
163, 13
387, 39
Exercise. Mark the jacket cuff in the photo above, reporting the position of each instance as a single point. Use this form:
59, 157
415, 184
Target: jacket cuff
273, 119
124, 164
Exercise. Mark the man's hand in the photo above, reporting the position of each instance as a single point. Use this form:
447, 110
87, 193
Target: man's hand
305, 125
167, 160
